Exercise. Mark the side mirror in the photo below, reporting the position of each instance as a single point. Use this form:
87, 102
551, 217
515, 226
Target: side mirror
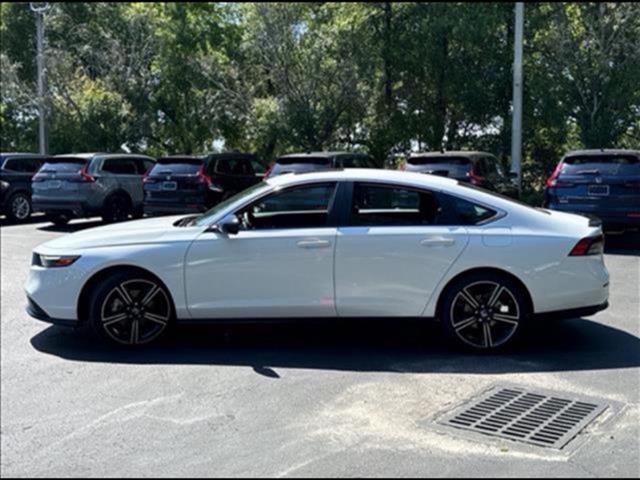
229, 225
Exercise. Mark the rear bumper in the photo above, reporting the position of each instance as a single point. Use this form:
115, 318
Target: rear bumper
572, 313
75, 208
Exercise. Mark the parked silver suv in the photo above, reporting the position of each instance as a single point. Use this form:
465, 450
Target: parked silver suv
88, 184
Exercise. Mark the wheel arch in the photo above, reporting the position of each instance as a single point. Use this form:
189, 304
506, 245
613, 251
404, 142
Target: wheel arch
118, 192
88, 287
492, 270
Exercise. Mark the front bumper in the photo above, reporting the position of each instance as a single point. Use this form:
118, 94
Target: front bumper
36, 311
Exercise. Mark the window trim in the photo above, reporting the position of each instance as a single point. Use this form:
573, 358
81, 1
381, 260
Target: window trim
347, 205
332, 209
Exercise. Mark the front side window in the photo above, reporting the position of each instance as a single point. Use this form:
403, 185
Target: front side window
298, 207
386, 205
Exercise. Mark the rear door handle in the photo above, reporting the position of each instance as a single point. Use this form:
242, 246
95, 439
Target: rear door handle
313, 243
437, 242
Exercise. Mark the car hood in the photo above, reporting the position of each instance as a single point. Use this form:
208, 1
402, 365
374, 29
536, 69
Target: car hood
150, 230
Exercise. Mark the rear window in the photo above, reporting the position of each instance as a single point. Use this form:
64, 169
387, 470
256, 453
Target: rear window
63, 164
305, 159
438, 161
186, 166
602, 164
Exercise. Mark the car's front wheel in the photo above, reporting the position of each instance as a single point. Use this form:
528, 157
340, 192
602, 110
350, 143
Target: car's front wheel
131, 309
484, 311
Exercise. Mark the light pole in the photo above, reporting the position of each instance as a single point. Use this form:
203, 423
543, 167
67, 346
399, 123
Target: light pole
40, 9
516, 125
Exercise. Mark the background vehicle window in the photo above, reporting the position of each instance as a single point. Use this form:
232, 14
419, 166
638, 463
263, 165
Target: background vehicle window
142, 165
258, 167
241, 166
463, 212
16, 165
355, 161
120, 166
378, 205
299, 207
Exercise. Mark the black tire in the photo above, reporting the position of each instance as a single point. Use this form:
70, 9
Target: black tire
59, 219
484, 312
116, 208
19, 207
130, 308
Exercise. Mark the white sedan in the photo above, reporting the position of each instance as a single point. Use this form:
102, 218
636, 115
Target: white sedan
354, 243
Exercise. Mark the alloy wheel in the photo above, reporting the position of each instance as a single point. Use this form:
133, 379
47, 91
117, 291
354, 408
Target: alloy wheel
135, 312
485, 314
20, 207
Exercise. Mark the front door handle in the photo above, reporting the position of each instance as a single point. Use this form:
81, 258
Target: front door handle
437, 241
313, 243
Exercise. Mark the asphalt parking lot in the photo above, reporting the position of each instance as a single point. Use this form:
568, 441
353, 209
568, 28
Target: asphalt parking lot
304, 400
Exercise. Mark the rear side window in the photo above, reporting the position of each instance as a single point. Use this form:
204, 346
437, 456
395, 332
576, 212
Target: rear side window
463, 212
176, 167
601, 164
23, 165
386, 205
120, 166
299, 207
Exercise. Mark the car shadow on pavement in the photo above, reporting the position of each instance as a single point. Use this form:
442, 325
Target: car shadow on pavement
70, 227
384, 346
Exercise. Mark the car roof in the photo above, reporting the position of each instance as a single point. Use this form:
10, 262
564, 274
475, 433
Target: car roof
326, 155
364, 174
451, 153
22, 155
602, 151
88, 156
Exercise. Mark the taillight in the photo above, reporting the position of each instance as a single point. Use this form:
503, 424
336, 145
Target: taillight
553, 181
269, 170
588, 246
203, 177
37, 178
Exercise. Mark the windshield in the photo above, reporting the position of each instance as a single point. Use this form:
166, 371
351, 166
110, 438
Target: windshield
601, 164
205, 218
499, 195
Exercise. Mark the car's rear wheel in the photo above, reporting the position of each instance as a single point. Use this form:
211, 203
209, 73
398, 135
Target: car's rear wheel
117, 208
19, 207
484, 311
131, 309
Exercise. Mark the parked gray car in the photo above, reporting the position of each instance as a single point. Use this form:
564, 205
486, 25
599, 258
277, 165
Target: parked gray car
88, 184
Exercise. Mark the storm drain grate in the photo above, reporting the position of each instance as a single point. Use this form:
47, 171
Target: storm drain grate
536, 418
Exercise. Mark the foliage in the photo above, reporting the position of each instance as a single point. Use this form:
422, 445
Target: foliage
273, 78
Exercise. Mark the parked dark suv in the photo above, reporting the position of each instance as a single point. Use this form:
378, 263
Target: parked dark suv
83, 185
601, 183
186, 184
316, 161
478, 168
16, 170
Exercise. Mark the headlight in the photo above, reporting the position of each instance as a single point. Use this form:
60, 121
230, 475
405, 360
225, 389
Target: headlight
4, 185
53, 261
